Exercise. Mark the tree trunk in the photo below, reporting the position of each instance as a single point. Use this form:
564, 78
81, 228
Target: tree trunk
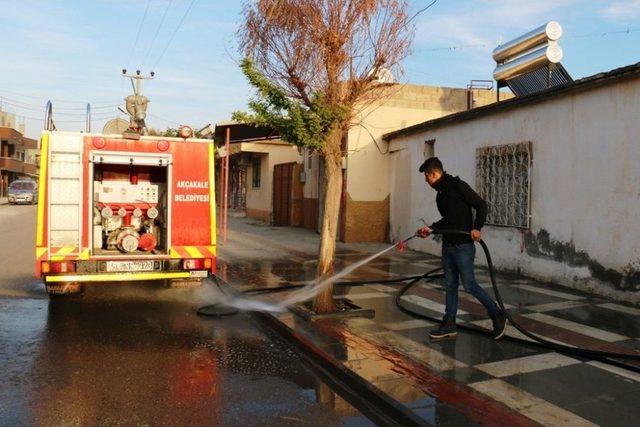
332, 155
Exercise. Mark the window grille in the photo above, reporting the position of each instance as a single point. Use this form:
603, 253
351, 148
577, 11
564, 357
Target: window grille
503, 181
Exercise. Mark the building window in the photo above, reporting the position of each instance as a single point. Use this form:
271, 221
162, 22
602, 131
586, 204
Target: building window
255, 177
503, 180
309, 159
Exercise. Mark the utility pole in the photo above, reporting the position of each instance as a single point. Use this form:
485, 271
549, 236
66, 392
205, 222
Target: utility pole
137, 103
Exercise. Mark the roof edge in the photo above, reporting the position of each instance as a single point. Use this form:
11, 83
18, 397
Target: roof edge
586, 83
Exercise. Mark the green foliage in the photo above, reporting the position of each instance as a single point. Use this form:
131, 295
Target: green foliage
169, 133
303, 125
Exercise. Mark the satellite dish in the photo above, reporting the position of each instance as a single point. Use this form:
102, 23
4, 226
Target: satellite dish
383, 76
115, 126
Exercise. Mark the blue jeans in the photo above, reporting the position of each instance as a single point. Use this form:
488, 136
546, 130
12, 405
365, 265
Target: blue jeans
457, 261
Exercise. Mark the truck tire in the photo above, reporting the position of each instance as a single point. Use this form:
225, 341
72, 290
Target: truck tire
64, 288
184, 283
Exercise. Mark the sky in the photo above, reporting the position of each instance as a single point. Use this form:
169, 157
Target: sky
72, 52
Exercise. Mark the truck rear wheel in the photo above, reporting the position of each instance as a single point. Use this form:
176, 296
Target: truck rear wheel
184, 283
64, 288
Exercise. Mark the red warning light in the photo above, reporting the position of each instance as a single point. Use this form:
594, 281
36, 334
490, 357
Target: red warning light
163, 145
99, 142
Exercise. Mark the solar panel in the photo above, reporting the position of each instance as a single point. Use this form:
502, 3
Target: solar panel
538, 80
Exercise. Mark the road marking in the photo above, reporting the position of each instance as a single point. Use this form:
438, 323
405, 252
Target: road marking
555, 306
408, 324
549, 292
620, 308
418, 352
521, 365
511, 331
428, 304
529, 405
364, 295
577, 327
468, 297
383, 288
615, 370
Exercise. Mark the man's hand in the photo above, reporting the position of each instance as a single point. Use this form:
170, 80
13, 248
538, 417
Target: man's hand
476, 235
423, 232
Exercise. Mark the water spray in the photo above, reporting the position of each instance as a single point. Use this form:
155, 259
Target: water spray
304, 293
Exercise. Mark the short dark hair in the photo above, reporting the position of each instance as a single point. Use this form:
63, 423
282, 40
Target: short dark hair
431, 164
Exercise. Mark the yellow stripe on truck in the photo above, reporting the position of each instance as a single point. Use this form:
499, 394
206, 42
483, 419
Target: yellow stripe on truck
62, 253
42, 181
116, 277
212, 193
193, 251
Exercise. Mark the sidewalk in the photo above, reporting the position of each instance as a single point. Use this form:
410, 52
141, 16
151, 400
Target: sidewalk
466, 381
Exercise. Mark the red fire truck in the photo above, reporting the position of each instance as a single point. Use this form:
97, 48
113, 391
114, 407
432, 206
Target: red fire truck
114, 209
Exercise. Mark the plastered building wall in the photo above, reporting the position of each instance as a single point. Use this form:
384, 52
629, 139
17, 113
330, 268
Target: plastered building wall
260, 199
368, 161
585, 187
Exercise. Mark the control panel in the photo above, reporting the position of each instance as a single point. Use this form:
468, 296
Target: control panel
125, 192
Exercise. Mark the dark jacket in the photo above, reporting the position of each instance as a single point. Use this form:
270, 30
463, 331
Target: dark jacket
455, 199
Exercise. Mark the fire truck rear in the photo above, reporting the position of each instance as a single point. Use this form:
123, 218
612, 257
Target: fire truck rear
113, 209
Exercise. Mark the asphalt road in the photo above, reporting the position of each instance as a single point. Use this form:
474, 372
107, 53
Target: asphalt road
140, 355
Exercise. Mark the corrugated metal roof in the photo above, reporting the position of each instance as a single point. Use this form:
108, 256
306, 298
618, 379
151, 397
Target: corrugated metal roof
537, 80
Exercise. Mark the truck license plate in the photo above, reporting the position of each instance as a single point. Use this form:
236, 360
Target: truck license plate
199, 274
129, 266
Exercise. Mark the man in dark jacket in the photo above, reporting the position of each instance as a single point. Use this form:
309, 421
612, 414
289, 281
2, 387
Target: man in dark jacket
455, 201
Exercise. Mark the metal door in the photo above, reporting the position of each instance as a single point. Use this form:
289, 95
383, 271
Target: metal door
282, 180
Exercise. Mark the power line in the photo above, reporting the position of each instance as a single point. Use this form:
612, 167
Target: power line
155, 36
40, 98
174, 33
164, 120
58, 121
415, 15
30, 104
135, 43
576, 36
604, 34
39, 108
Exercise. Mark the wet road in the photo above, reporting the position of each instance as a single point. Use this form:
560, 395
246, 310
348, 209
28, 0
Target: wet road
123, 355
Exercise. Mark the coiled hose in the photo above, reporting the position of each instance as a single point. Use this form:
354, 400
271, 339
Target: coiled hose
604, 356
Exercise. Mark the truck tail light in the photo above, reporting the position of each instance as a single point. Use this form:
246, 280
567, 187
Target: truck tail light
45, 267
195, 264
62, 267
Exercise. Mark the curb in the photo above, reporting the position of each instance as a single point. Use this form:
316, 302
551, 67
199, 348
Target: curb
377, 405
381, 408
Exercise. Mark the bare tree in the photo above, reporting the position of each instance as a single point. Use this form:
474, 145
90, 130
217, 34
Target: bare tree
314, 63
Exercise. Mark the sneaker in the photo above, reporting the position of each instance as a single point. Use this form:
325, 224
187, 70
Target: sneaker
446, 330
499, 325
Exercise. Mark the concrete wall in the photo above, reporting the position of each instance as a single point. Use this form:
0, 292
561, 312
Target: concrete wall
585, 196
9, 120
368, 162
259, 200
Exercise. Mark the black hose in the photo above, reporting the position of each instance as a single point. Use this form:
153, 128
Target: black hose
575, 351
